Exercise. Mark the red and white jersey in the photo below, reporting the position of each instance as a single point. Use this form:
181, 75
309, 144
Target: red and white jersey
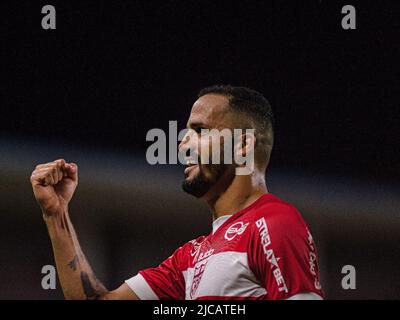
265, 251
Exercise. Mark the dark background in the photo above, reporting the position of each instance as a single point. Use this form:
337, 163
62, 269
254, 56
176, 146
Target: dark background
91, 89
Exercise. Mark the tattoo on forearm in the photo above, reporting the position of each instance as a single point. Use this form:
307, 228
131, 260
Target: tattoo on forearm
88, 289
72, 264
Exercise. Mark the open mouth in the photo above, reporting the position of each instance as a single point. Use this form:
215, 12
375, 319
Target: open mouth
190, 165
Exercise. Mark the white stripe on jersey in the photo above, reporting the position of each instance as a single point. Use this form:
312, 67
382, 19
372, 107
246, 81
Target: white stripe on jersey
139, 286
216, 281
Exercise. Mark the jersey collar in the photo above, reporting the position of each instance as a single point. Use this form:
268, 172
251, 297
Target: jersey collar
219, 222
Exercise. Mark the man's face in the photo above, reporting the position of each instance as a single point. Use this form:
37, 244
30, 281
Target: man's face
208, 112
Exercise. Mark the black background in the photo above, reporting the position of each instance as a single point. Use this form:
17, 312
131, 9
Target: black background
113, 70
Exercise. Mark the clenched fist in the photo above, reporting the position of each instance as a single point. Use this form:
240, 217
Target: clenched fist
54, 184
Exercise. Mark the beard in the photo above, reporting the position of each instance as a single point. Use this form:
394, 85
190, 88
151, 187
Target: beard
201, 183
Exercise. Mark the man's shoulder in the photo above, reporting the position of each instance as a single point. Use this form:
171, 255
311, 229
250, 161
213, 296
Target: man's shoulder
274, 208
192, 245
269, 205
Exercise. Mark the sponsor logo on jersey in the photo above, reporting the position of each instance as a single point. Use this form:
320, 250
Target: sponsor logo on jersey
236, 229
195, 249
313, 261
198, 274
205, 255
270, 255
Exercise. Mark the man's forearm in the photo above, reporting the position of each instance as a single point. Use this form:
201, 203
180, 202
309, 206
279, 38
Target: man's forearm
77, 278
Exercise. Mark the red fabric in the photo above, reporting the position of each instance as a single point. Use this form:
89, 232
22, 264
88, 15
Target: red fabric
282, 253
281, 256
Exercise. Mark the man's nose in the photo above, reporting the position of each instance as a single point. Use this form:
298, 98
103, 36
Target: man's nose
185, 140
182, 143
189, 145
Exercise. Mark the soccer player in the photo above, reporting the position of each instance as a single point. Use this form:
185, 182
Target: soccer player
259, 246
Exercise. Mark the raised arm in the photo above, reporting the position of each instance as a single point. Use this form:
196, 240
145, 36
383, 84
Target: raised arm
54, 184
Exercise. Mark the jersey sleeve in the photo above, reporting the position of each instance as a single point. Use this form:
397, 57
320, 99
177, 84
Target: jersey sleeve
283, 256
164, 282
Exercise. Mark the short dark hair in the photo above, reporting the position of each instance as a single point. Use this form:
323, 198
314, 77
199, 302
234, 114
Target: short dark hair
256, 107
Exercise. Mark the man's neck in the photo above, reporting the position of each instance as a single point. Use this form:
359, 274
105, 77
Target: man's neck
238, 195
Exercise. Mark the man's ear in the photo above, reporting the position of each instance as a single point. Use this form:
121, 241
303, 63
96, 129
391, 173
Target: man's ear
244, 146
